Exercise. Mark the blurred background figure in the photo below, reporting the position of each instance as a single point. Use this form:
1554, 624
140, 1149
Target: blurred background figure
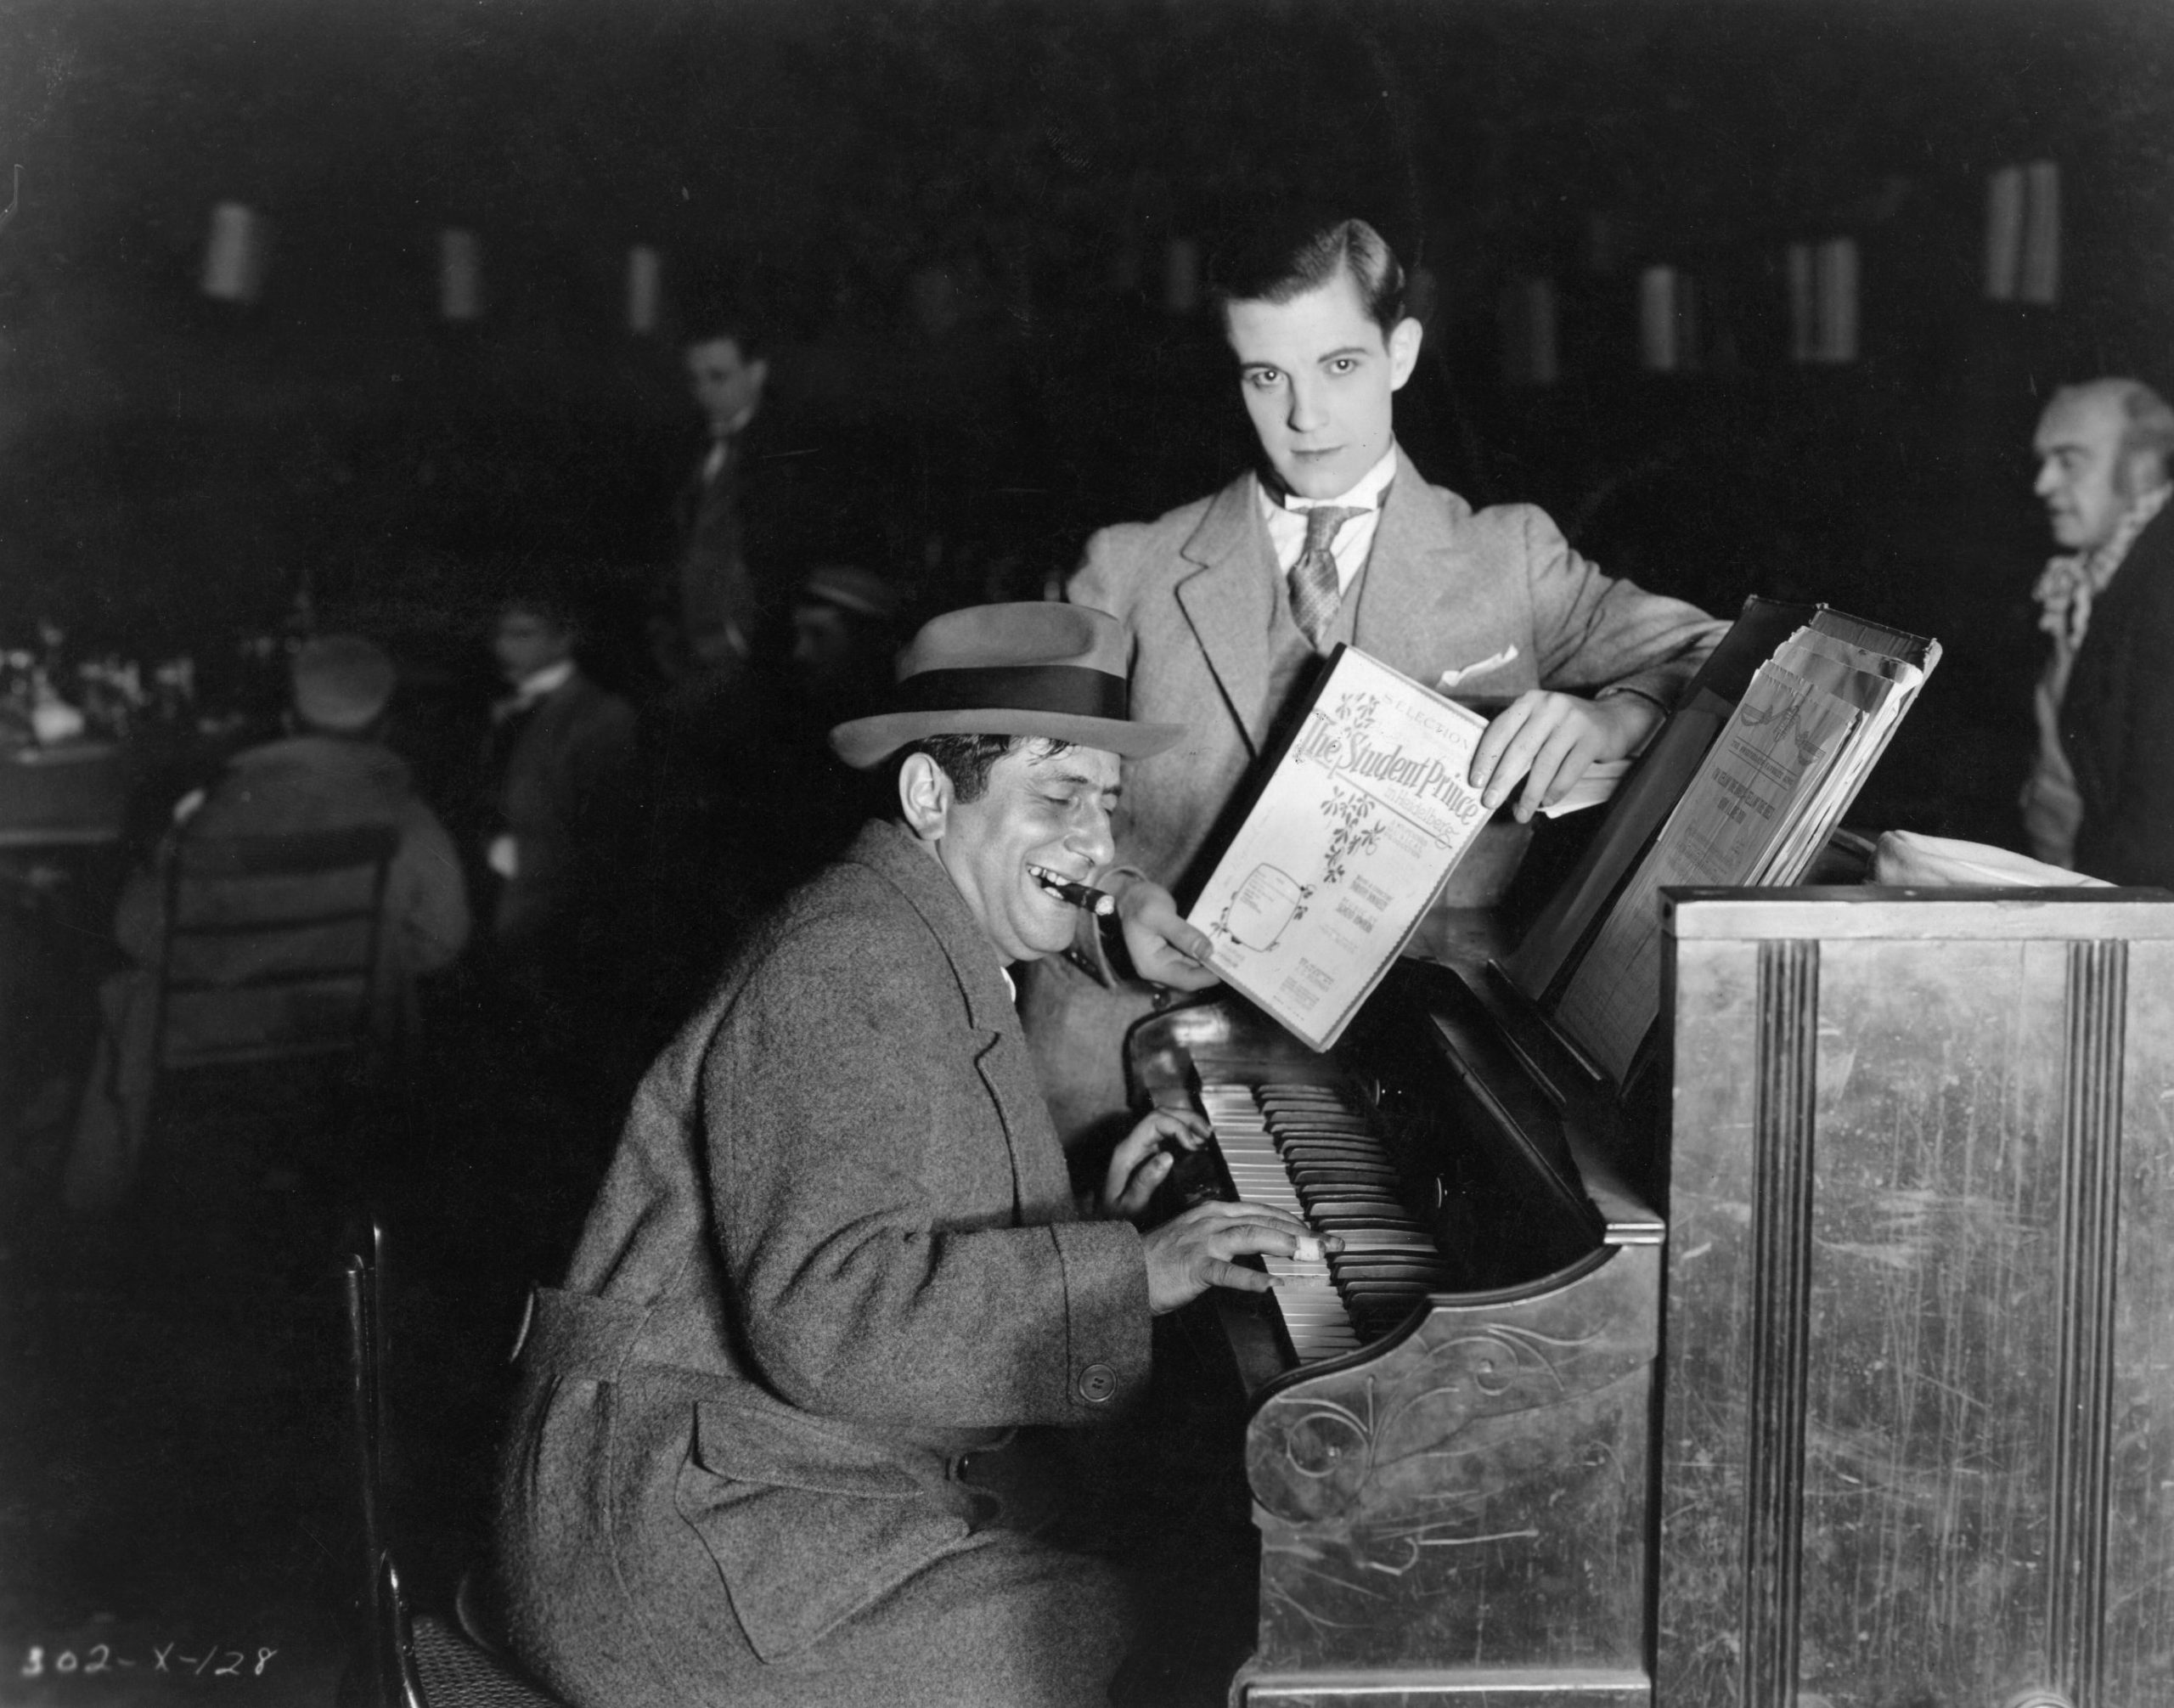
560, 794
2100, 795
708, 607
330, 772
847, 629
845, 635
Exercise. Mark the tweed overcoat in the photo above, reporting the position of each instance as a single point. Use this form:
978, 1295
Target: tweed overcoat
1445, 587
835, 1252
2117, 717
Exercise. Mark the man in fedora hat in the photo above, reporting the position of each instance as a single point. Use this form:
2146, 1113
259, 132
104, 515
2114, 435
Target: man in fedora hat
780, 1436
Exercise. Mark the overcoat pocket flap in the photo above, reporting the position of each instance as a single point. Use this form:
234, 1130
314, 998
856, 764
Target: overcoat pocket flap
755, 1445
806, 1528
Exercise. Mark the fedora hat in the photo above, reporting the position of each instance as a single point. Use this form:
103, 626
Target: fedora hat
1026, 670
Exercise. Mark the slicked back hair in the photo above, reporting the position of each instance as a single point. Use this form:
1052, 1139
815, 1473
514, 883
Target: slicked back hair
2147, 422
1289, 257
967, 760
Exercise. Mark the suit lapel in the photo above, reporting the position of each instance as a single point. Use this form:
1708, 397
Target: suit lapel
1225, 600
1404, 573
1419, 590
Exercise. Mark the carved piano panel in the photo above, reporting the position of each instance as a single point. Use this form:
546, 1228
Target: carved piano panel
1472, 1494
1919, 1401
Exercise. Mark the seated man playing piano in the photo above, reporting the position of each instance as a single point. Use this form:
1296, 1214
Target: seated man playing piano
1229, 603
837, 1290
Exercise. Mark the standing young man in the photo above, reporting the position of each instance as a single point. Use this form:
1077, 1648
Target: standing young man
1229, 604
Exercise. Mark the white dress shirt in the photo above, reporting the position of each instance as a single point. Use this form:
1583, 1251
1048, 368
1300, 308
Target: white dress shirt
1287, 521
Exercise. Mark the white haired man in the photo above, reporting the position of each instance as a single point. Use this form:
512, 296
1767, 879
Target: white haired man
2100, 795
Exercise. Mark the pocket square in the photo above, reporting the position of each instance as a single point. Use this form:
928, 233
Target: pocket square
1451, 678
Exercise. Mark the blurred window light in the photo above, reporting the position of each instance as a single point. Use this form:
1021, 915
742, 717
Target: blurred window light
460, 274
233, 254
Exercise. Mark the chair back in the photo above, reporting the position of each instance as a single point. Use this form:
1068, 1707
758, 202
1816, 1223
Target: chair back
364, 1298
272, 944
400, 1672
411, 1660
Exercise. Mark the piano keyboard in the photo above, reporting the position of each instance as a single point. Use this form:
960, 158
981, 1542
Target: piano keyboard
1307, 1149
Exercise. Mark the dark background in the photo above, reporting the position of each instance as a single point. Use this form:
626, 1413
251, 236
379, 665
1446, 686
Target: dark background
956, 218
958, 221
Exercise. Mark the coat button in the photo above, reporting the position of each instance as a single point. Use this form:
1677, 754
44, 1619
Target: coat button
1097, 1383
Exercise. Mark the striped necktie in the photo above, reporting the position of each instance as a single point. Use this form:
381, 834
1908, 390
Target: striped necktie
1316, 589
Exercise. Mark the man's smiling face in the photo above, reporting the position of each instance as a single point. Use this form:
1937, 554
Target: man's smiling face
1043, 818
1318, 378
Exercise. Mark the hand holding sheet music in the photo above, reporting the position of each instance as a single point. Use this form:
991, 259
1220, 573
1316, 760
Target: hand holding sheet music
1356, 828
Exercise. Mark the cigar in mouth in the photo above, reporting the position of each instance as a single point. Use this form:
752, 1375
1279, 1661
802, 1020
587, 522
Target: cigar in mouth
1098, 902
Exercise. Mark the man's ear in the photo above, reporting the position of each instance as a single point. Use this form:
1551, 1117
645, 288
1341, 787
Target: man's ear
1404, 350
924, 798
2143, 471
758, 375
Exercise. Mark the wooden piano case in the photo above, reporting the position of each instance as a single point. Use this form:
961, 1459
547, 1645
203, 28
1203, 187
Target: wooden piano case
1876, 1410
1916, 1440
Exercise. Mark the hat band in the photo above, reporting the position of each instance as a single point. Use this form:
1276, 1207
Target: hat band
1067, 690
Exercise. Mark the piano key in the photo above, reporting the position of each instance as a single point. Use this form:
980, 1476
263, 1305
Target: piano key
1350, 1200
1356, 1168
1370, 1176
1353, 1198
1370, 1280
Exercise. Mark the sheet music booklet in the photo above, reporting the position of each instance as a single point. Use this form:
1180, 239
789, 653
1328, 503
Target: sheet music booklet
1741, 795
1357, 826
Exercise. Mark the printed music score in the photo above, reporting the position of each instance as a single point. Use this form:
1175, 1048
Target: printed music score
1362, 819
1756, 811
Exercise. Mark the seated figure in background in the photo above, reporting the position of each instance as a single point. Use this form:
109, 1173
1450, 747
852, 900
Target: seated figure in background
793, 1429
330, 773
800, 807
2100, 795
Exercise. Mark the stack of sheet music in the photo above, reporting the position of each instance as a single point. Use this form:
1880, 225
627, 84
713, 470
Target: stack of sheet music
1757, 808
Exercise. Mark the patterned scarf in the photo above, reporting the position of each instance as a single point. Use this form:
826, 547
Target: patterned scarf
2068, 584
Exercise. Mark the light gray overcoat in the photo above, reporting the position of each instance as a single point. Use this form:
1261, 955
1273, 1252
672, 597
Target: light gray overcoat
1445, 587
836, 1251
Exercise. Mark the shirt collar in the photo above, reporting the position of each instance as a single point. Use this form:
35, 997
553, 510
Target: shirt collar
1365, 493
548, 680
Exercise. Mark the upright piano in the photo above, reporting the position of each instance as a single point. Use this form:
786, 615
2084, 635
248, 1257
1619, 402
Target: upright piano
1823, 1360
1840, 1376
